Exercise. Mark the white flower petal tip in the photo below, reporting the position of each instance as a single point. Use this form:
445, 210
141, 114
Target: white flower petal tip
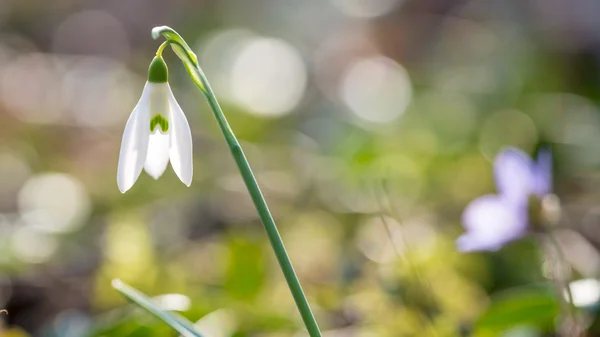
122, 188
157, 158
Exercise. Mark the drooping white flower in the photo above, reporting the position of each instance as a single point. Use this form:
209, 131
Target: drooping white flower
157, 131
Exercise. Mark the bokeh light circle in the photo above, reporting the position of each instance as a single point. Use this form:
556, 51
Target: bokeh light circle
365, 8
376, 89
268, 77
54, 202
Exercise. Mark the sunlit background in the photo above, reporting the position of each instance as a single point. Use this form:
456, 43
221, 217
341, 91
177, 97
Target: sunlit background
369, 124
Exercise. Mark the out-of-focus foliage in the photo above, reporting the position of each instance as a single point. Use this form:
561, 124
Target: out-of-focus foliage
370, 124
178, 323
529, 306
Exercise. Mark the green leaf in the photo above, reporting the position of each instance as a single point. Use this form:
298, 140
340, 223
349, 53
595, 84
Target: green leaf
182, 50
520, 306
178, 323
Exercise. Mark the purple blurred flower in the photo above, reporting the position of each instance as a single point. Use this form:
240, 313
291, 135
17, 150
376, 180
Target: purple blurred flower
491, 221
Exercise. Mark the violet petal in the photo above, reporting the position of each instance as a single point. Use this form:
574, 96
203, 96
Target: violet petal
542, 174
491, 221
514, 176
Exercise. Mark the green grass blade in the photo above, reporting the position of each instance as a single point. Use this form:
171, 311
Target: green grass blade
178, 323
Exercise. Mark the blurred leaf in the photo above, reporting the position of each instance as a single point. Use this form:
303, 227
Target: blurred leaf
511, 267
526, 305
122, 322
179, 324
14, 332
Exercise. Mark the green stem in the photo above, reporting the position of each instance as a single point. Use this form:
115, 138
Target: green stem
162, 47
257, 197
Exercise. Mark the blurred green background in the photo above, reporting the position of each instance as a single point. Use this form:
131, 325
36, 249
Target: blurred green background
370, 124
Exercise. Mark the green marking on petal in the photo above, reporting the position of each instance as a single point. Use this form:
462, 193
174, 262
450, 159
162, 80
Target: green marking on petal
161, 121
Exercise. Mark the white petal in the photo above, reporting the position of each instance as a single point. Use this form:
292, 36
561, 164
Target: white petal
135, 142
157, 158
159, 99
181, 142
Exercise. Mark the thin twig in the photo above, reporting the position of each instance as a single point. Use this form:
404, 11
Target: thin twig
411, 265
571, 321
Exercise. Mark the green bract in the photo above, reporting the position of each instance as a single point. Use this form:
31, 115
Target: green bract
182, 50
158, 71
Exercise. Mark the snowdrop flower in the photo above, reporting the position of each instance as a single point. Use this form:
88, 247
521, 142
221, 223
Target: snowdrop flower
491, 221
156, 132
